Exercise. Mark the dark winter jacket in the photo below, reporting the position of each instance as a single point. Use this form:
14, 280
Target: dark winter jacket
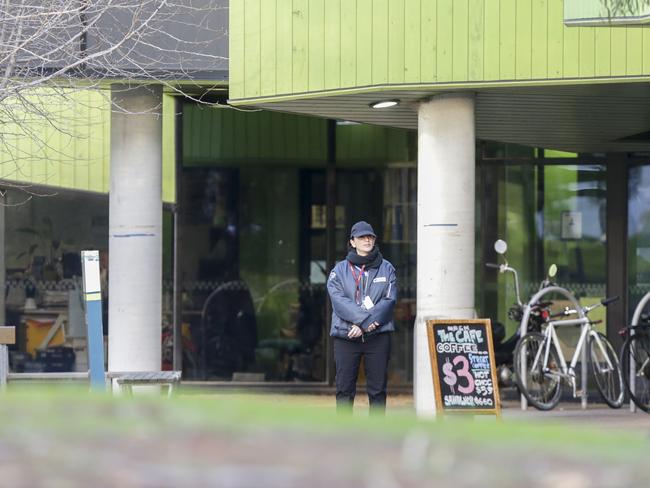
378, 283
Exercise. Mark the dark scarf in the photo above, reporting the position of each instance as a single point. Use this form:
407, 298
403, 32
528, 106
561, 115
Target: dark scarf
372, 260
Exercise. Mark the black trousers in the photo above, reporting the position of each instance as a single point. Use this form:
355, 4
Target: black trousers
375, 351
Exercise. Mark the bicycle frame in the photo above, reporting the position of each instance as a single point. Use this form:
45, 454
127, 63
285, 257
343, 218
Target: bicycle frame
551, 340
523, 328
546, 287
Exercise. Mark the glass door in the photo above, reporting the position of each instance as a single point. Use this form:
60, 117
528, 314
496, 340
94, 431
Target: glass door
385, 199
551, 213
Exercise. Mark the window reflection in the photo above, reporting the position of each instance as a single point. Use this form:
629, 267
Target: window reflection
43, 238
638, 235
251, 315
547, 214
253, 233
253, 266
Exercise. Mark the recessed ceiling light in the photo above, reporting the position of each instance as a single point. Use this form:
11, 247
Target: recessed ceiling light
384, 104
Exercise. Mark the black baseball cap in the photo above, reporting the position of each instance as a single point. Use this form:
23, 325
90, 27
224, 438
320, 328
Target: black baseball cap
362, 228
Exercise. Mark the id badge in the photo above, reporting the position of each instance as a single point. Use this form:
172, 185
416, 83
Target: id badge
367, 303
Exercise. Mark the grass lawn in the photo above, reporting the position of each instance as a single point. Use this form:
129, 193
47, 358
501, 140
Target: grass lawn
68, 437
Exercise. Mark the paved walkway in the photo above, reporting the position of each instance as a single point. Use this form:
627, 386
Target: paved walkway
595, 415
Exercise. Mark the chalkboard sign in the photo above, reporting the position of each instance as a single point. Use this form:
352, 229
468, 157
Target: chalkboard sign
462, 364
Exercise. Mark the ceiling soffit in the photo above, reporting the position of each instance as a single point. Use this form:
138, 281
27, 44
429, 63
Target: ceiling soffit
595, 118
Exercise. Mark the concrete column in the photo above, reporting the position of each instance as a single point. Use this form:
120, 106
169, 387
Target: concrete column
135, 230
445, 235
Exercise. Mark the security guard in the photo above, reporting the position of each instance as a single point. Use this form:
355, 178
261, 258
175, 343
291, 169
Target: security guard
363, 291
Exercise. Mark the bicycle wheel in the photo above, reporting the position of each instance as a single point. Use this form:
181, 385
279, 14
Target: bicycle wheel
606, 370
636, 352
539, 383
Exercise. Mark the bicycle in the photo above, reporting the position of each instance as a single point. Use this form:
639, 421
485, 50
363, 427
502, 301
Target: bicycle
540, 357
635, 363
538, 315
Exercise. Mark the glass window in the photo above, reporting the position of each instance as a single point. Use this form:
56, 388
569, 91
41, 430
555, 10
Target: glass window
251, 316
386, 198
547, 214
44, 235
508, 209
168, 294
638, 235
253, 239
399, 246
289, 312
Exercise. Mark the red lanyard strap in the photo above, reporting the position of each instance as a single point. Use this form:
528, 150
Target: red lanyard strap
357, 281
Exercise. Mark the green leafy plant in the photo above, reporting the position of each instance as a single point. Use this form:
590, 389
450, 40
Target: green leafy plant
46, 241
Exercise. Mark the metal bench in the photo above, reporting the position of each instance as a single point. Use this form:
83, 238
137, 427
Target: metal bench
125, 380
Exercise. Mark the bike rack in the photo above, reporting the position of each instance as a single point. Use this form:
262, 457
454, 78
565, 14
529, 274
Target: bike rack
635, 321
523, 327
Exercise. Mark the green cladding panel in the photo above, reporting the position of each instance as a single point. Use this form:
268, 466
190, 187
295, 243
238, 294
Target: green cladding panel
169, 149
291, 48
62, 139
221, 137
58, 139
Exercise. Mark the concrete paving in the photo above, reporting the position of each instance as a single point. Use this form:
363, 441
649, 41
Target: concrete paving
596, 414
569, 412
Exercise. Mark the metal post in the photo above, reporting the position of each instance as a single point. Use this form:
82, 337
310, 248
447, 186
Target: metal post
3, 271
4, 366
617, 312
584, 366
330, 195
95, 334
176, 291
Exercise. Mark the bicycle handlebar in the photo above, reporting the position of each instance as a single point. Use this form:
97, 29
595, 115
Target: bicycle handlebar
604, 302
566, 311
607, 301
492, 265
587, 309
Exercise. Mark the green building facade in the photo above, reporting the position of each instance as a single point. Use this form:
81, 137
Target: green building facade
261, 188
559, 90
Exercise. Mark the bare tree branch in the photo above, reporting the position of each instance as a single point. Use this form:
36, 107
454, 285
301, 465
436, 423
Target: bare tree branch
621, 8
53, 51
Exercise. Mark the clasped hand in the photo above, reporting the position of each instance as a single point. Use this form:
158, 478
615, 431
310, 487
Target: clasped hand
356, 331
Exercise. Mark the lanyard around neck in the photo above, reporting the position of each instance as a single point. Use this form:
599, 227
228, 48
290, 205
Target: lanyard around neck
357, 281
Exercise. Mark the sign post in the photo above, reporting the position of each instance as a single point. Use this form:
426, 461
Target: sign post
462, 365
95, 333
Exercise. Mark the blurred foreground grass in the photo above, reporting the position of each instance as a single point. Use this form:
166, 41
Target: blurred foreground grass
69, 437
